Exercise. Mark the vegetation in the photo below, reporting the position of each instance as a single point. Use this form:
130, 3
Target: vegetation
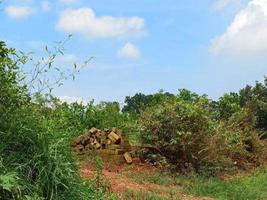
251, 187
188, 134
36, 161
243, 186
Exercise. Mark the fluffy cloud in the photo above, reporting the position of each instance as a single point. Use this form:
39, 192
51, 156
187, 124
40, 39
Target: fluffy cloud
45, 6
247, 33
69, 99
129, 51
18, 12
221, 4
85, 22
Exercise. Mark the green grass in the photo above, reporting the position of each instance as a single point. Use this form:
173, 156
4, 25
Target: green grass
138, 195
252, 187
155, 178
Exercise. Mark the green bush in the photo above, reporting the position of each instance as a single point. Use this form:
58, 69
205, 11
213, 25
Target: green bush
179, 129
36, 161
185, 132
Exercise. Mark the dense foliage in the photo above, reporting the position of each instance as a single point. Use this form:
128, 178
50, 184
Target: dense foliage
35, 158
187, 132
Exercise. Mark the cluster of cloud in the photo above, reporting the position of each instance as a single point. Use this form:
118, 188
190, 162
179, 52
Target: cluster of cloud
22, 12
247, 33
84, 21
69, 99
129, 51
19, 12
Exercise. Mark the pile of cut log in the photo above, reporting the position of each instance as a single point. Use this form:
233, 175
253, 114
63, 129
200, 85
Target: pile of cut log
107, 141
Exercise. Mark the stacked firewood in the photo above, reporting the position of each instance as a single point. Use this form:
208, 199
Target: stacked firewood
109, 141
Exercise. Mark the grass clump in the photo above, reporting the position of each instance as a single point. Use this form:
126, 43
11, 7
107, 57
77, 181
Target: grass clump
252, 187
35, 157
138, 195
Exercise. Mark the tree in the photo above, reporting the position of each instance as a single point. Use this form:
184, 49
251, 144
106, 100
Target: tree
255, 97
137, 103
228, 104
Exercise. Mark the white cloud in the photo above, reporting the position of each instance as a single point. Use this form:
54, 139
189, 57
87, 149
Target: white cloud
69, 99
129, 51
221, 4
247, 33
68, 1
19, 12
45, 6
85, 22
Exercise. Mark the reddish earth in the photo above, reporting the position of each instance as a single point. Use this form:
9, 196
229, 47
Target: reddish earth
119, 182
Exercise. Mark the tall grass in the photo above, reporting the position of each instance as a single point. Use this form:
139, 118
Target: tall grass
35, 155
252, 187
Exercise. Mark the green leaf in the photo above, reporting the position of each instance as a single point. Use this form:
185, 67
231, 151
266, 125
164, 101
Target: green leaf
8, 181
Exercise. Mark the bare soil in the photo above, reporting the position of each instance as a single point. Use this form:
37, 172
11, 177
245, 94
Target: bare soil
120, 183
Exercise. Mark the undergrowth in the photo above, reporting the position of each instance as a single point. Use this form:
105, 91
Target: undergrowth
252, 187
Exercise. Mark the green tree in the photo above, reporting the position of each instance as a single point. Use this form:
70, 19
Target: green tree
228, 104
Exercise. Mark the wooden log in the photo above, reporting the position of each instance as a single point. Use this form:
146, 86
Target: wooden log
98, 135
97, 145
106, 152
103, 140
93, 130
113, 136
85, 139
113, 146
92, 140
89, 147
128, 158
108, 142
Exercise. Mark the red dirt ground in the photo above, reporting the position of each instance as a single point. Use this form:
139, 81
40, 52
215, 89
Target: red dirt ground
120, 183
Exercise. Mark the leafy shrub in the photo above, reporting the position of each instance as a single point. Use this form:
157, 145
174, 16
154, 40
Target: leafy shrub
186, 133
179, 129
36, 161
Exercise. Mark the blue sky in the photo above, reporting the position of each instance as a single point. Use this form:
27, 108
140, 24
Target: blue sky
207, 46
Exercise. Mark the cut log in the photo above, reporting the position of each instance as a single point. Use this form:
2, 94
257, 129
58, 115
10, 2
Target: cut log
114, 146
85, 139
113, 137
93, 130
98, 135
108, 142
128, 158
97, 145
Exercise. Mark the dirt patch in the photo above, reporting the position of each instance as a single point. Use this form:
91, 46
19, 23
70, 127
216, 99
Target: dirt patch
120, 183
